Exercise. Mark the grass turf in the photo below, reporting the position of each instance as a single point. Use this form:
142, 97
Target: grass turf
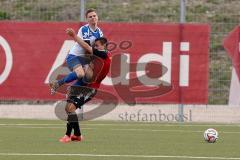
123, 140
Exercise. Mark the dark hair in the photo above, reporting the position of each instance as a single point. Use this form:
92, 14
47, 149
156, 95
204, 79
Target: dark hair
89, 11
102, 40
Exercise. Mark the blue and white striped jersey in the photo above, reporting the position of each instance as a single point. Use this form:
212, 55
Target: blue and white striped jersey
87, 34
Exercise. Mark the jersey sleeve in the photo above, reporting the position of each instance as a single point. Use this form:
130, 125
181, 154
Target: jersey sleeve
83, 33
100, 33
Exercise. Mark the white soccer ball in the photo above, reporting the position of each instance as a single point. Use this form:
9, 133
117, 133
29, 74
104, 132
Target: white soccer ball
210, 135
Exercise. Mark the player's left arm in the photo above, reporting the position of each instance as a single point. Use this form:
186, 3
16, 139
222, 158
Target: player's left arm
81, 42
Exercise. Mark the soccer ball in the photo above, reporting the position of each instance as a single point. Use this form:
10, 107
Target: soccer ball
210, 135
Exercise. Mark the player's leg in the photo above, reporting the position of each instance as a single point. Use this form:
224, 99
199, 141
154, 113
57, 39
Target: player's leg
86, 94
73, 117
72, 122
88, 78
78, 72
83, 72
69, 127
75, 65
70, 108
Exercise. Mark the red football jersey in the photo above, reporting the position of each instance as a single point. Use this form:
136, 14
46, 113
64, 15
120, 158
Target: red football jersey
100, 71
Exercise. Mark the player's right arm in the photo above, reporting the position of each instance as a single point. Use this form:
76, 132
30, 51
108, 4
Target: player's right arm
80, 41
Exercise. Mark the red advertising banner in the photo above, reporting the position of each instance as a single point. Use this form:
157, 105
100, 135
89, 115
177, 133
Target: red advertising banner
232, 45
151, 63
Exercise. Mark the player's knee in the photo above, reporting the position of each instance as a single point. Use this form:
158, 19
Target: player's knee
75, 103
80, 72
89, 76
72, 117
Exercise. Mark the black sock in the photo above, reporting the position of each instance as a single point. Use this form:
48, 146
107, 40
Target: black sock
77, 131
69, 125
73, 119
69, 129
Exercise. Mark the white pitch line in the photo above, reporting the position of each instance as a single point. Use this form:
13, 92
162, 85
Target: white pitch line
173, 130
154, 130
119, 129
46, 127
116, 155
127, 124
28, 124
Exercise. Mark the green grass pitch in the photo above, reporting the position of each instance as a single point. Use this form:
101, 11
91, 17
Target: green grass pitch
108, 140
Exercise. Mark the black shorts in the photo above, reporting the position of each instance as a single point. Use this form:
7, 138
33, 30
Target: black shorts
80, 95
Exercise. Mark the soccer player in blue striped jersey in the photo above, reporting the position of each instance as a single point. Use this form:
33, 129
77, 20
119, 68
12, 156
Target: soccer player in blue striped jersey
76, 59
